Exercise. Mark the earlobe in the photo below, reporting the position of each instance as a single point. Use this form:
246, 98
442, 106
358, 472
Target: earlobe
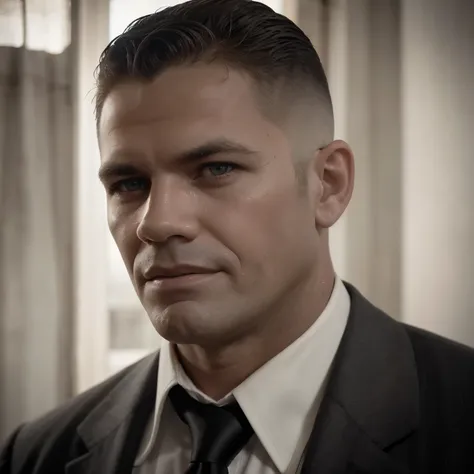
336, 172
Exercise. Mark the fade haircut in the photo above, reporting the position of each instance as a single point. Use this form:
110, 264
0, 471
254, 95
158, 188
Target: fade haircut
243, 34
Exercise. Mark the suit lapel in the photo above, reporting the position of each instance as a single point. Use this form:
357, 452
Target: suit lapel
371, 405
371, 402
119, 421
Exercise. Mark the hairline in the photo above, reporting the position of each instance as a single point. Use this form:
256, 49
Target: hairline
276, 99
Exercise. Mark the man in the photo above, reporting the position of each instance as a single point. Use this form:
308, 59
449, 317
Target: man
223, 179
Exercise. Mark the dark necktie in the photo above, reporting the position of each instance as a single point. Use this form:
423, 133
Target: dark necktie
218, 433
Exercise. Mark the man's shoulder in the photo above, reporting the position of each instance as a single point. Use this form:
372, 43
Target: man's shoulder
57, 429
433, 354
440, 347
439, 361
442, 360
77, 408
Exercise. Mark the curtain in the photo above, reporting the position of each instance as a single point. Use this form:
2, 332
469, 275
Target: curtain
36, 208
365, 76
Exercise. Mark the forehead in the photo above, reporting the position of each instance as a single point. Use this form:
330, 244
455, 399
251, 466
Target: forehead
185, 103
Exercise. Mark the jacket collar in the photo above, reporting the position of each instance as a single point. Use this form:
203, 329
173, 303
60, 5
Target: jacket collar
371, 402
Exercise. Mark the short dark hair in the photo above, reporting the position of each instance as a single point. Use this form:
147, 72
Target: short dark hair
245, 34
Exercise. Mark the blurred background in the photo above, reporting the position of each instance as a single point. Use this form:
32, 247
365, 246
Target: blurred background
401, 74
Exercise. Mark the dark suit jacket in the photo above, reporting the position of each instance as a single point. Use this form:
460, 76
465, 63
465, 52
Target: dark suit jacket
399, 400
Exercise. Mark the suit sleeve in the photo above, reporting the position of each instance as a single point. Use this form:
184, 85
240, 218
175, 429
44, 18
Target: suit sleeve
6, 453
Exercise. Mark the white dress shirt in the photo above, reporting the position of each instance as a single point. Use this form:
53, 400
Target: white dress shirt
280, 400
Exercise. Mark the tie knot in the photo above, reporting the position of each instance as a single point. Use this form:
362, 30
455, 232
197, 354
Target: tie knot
218, 433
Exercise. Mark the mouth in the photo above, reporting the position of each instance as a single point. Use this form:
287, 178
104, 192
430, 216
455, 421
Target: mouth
186, 281
177, 278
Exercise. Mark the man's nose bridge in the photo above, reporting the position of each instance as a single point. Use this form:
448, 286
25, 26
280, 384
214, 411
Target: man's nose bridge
168, 212
168, 200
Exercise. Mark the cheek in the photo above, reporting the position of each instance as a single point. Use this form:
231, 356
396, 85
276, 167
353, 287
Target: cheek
285, 226
264, 233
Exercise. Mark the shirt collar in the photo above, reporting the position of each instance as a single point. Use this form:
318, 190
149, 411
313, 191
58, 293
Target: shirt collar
290, 385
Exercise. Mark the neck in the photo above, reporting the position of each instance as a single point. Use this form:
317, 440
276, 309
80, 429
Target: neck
219, 370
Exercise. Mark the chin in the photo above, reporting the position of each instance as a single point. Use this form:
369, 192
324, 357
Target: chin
191, 323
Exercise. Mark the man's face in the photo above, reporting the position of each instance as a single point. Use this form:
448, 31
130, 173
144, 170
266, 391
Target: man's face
203, 203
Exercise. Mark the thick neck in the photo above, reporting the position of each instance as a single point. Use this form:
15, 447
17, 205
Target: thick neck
218, 371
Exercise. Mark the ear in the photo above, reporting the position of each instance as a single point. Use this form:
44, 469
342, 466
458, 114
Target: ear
333, 167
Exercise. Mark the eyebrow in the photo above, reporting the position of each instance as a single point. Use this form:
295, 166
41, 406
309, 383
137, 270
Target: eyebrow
113, 169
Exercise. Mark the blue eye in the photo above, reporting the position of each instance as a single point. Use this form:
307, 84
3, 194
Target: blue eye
219, 169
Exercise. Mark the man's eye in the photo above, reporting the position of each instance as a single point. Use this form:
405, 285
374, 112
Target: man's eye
129, 185
216, 170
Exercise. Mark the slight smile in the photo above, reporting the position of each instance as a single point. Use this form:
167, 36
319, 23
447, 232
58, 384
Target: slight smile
179, 282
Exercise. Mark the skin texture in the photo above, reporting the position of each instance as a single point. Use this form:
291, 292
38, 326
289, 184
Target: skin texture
196, 175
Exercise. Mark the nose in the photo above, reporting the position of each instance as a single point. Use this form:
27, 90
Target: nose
170, 211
